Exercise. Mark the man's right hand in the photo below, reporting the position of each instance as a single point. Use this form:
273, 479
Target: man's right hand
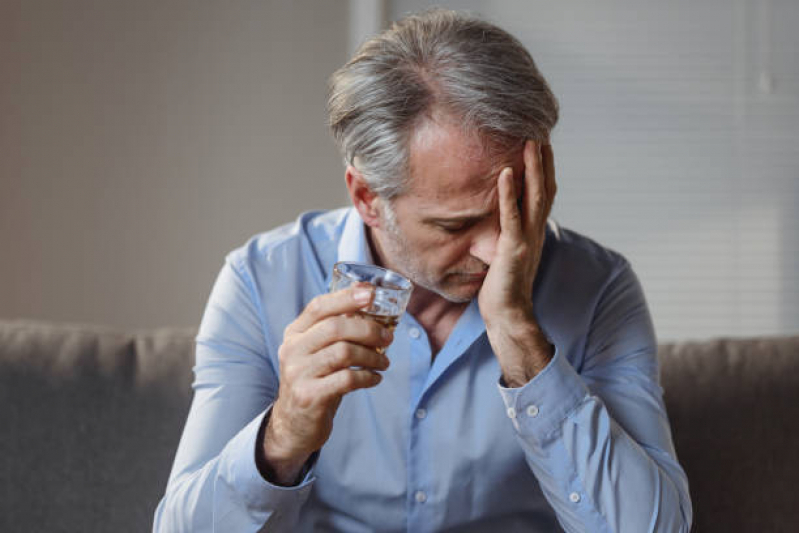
316, 358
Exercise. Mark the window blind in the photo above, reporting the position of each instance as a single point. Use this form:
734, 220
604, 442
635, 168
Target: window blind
678, 147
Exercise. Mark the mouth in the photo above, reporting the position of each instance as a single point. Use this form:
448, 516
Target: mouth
477, 277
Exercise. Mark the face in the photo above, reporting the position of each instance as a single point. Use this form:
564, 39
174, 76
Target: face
445, 226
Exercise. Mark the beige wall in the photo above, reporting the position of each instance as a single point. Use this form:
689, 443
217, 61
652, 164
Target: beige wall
141, 140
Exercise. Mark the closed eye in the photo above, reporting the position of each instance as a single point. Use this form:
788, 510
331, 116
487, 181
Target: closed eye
455, 228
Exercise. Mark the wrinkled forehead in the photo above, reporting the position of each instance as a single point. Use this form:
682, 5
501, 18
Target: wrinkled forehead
446, 158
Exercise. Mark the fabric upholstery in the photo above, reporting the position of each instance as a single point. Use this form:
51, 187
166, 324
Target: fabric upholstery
734, 409
90, 419
89, 423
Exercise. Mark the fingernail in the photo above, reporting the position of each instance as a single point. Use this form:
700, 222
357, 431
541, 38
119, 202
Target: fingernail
362, 295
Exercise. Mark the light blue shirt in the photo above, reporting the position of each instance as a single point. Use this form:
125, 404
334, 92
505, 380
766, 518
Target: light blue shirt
439, 444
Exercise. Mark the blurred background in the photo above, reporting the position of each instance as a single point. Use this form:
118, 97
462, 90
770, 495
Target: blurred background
141, 140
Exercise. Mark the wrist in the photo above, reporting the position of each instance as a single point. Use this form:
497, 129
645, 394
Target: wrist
521, 347
510, 318
278, 463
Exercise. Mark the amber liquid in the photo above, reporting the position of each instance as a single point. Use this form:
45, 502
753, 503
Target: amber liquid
388, 321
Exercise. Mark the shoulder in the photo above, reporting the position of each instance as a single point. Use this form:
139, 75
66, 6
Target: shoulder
309, 239
578, 255
282, 269
584, 287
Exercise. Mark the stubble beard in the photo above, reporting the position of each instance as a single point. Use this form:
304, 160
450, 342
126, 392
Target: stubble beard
403, 256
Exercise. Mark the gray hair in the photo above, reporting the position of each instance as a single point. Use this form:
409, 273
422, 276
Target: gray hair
438, 60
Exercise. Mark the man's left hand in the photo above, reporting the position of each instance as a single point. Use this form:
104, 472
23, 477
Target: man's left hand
505, 299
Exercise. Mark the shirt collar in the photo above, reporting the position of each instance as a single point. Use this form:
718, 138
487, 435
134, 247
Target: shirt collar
353, 244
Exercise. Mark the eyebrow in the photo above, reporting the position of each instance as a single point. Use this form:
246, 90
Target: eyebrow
458, 219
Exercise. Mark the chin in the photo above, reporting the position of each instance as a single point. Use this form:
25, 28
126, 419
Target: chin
459, 295
458, 299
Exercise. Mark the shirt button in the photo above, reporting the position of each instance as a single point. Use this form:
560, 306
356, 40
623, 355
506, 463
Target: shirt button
414, 333
574, 497
532, 410
511, 412
420, 496
421, 413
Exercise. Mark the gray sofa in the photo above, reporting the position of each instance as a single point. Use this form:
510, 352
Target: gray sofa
90, 418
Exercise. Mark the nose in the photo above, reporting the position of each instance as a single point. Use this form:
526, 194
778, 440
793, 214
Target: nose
484, 245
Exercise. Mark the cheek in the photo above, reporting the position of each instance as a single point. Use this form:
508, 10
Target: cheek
450, 251
438, 250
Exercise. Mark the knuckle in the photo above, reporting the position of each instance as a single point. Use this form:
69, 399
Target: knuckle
341, 354
303, 396
282, 354
334, 327
314, 307
349, 379
520, 252
291, 372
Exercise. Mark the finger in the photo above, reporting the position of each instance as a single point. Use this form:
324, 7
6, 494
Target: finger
341, 302
354, 328
347, 380
534, 201
509, 216
341, 355
549, 175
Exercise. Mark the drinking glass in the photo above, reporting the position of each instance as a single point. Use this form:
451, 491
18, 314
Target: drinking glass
392, 290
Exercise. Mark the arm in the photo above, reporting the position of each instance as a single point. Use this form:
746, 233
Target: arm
245, 426
599, 442
215, 484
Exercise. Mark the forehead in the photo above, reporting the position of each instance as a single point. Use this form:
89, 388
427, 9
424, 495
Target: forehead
450, 167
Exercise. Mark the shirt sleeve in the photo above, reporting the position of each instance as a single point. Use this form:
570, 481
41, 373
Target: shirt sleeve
599, 441
215, 484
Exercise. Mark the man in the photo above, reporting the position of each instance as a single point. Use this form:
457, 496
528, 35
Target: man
519, 391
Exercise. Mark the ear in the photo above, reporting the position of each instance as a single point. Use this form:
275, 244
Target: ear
363, 199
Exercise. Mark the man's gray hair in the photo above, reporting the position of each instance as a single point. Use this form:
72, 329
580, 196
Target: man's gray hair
440, 61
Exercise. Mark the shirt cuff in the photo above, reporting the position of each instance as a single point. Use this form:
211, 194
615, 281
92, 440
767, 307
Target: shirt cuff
305, 473
537, 409
242, 472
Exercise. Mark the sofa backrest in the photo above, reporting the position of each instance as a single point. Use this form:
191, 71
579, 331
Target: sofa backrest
90, 419
734, 411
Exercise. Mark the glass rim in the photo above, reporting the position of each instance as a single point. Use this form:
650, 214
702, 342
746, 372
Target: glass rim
402, 282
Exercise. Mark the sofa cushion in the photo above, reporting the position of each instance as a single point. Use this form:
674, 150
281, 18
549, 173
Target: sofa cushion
89, 424
734, 408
